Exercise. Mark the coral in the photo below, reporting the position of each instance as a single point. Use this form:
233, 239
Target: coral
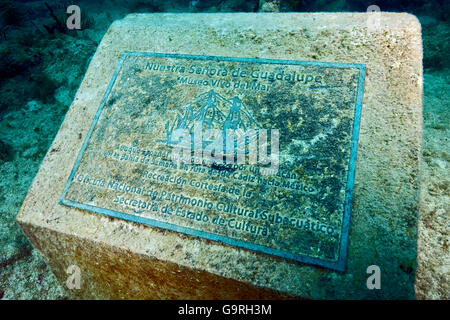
269, 5
34, 64
10, 15
14, 61
44, 88
87, 22
10, 65
144, 6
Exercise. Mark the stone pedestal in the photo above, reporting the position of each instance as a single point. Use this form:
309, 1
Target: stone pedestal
122, 259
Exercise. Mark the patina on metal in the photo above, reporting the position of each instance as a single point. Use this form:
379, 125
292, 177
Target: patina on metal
300, 211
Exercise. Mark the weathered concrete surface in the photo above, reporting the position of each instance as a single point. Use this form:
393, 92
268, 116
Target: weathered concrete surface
120, 259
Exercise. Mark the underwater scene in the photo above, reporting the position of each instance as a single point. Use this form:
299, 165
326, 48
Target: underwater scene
43, 63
